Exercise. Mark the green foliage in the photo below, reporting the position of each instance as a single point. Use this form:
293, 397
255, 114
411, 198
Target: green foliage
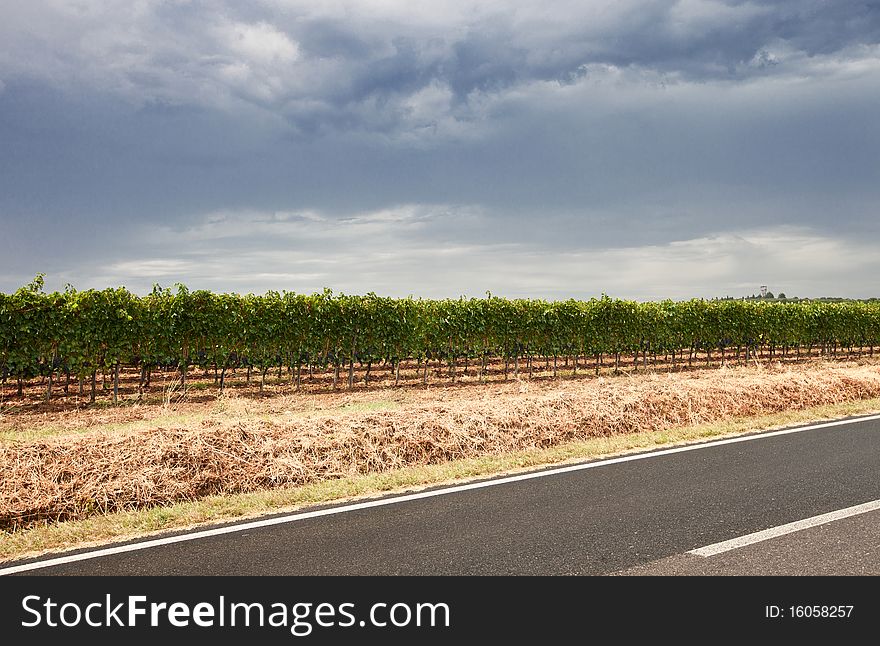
93, 330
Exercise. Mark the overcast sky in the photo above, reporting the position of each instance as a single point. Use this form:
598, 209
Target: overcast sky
644, 149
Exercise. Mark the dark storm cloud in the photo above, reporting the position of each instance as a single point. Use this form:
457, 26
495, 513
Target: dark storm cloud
301, 59
697, 40
414, 147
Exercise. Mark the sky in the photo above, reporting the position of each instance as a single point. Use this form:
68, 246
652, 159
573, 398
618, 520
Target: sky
555, 149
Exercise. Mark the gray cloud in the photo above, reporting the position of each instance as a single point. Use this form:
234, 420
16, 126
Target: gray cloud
345, 64
426, 251
550, 135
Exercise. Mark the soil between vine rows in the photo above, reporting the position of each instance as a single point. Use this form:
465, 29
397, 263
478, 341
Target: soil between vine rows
203, 383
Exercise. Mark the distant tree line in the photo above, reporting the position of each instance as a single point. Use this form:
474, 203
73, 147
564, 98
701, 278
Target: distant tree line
795, 299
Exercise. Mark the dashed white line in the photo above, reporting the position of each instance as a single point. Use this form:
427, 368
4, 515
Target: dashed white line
782, 530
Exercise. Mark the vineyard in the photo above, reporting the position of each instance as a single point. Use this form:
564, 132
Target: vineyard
63, 340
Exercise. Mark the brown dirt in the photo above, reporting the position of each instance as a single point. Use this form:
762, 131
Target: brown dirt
203, 387
238, 445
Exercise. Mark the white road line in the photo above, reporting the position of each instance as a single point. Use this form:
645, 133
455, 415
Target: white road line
232, 529
782, 530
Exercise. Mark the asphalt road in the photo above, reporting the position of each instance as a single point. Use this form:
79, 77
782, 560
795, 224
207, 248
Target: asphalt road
847, 547
635, 517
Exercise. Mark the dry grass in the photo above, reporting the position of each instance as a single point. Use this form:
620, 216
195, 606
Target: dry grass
101, 529
242, 447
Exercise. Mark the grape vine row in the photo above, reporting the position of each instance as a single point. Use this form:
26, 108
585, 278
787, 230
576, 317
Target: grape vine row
80, 333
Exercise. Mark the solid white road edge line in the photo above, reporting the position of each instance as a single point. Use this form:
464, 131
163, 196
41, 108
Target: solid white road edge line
231, 529
782, 530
